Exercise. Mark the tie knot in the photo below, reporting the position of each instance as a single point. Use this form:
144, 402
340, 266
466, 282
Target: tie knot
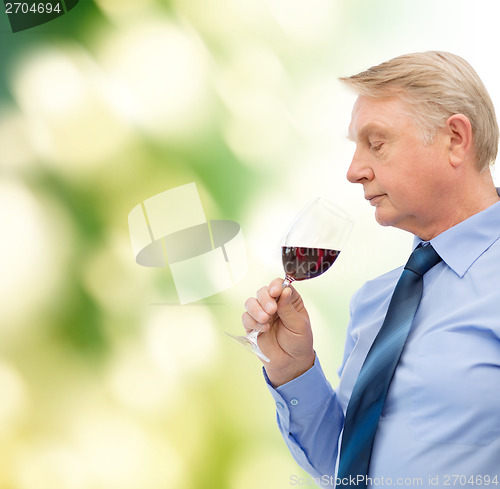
422, 259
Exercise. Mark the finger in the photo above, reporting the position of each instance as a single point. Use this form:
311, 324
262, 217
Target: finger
287, 312
250, 324
266, 300
285, 301
256, 311
276, 288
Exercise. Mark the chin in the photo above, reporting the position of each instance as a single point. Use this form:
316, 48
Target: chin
385, 218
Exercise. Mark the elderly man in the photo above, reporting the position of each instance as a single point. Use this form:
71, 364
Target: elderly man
418, 400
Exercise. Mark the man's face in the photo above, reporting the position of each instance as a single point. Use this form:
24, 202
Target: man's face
402, 178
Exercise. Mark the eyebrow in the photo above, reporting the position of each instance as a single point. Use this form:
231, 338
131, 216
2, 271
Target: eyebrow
370, 129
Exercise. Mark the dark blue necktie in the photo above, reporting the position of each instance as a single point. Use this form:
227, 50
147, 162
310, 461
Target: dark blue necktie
369, 393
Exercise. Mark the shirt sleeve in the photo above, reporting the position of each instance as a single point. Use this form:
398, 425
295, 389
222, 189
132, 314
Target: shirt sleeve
310, 419
310, 416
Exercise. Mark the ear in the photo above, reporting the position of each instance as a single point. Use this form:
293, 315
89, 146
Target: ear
460, 134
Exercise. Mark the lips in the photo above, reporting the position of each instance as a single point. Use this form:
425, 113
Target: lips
374, 198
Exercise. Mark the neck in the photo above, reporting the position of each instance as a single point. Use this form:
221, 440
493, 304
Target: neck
471, 195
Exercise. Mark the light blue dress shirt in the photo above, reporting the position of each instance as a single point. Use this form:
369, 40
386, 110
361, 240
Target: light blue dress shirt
440, 426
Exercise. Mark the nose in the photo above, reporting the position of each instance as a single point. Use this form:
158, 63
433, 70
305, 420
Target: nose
359, 170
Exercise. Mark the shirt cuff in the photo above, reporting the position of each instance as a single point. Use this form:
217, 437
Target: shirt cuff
302, 395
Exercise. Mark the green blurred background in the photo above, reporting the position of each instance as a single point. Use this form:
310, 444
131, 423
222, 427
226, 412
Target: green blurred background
105, 381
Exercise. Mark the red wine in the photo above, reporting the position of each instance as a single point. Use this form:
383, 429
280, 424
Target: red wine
303, 263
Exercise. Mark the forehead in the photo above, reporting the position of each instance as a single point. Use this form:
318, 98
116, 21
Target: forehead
386, 115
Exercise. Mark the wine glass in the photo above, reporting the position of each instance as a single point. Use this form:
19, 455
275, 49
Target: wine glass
310, 247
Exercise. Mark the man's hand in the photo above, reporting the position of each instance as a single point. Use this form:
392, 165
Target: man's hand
286, 336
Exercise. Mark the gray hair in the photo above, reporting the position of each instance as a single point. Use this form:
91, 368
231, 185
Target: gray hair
435, 85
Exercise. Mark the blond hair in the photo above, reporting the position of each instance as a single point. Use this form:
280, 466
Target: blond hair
435, 85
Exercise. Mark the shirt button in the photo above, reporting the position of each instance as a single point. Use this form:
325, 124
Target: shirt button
280, 405
294, 402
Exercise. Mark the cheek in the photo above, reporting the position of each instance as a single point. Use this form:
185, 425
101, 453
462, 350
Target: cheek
402, 201
408, 181
400, 191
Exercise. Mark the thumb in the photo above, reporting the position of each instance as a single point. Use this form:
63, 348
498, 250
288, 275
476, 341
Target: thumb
287, 312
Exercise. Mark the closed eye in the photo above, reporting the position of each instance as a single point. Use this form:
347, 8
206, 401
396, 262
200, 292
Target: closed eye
376, 146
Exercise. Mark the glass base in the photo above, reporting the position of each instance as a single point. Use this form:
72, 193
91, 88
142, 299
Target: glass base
249, 342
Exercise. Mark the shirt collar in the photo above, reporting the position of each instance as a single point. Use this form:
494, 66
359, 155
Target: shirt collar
461, 245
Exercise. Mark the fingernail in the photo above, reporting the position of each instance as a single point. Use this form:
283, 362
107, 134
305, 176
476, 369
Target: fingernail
262, 316
269, 306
